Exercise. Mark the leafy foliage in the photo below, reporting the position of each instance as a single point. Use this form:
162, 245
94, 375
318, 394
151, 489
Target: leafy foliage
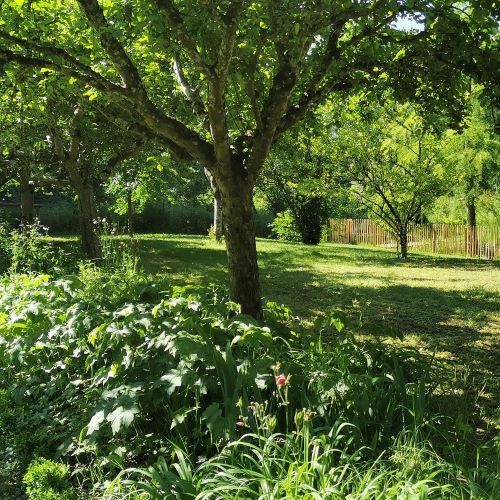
284, 227
25, 250
391, 159
114, 380
47, 480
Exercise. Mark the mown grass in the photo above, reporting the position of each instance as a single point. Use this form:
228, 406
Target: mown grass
444, 306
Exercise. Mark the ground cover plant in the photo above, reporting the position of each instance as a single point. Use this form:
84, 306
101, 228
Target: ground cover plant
147, 388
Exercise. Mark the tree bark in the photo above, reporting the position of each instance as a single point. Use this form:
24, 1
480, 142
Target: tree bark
471, 224
239, 231
218, 224
87, 209
27, 200
403, 241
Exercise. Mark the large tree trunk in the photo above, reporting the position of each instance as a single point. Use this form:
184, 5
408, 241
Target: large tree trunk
471, 225
239, 231
87, 209
403, 241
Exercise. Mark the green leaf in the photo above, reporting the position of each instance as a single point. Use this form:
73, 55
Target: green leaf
213, 417
121, 417
95, 422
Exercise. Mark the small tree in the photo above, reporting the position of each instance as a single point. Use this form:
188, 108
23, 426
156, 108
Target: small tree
25, 162
88, 162
152, 176
393, 163
472, 159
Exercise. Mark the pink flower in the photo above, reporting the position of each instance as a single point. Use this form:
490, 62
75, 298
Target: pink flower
281, 379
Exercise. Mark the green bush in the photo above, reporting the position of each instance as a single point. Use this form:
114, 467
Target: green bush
5, 251
186, 219
48, 480
284, 227
61, 217
26, 250
310, 219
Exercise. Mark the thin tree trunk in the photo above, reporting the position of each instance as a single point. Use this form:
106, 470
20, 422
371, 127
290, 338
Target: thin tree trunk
27, 189
27, 201
471, 224
130, 213
218, 225
87, 209
403, 241
239, 231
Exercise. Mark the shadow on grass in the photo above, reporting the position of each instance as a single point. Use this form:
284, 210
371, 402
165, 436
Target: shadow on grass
184, 259
448, 320
370, 256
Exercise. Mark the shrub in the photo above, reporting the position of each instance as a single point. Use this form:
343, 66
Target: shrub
5, 251
26, 250
284, 227
310, 219
48, 480
60, 214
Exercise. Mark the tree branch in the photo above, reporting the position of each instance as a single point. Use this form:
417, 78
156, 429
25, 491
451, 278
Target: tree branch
60, 53
123, 155
75, 136
189, 92
173, 132
120, 59
176, 22
7, 55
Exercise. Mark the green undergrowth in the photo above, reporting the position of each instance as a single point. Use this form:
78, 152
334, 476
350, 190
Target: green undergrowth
143, 389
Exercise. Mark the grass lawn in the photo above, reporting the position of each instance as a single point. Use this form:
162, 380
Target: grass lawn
446, 305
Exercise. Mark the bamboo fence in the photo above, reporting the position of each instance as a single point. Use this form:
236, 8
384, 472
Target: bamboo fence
451, 239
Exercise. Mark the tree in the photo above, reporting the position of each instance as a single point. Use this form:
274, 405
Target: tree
393, 162
88, 161
153, 176
256, 68
472, 157
25, 160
